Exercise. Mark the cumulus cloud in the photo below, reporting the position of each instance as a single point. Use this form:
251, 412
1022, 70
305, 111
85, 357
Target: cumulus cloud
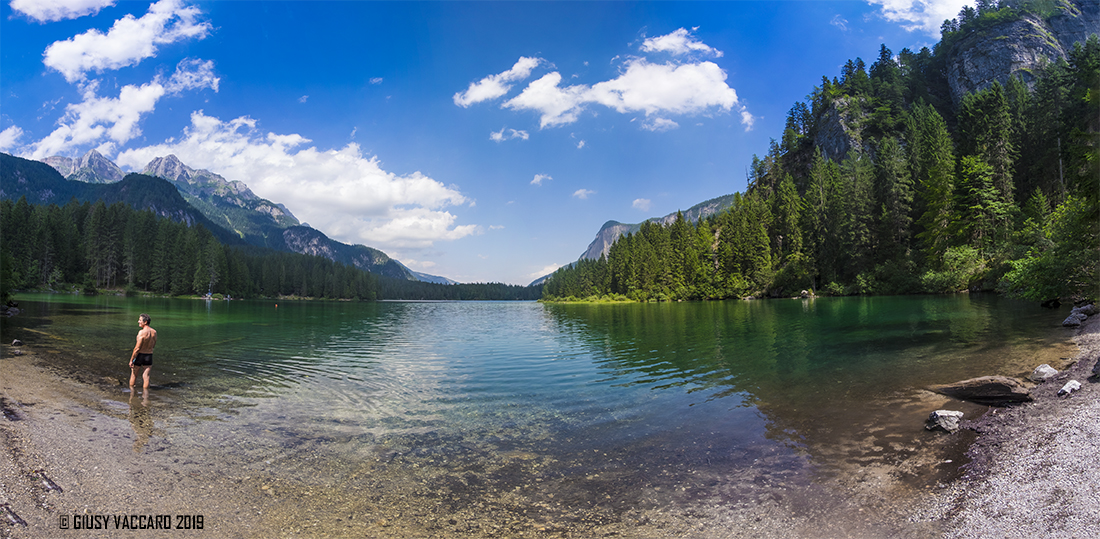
128, 42
539, 179
342, 192
642, 87
583, 193
376, 80
98, 118
494, 86
57, 10
679, 42
683, 86
642, 204
9, 138
580, 144
501, 136
108, 121
920, 15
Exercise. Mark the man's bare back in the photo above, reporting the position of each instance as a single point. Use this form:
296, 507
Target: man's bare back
142, 356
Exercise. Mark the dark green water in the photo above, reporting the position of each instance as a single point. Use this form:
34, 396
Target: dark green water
581, 413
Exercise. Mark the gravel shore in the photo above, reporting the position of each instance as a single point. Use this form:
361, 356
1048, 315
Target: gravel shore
1035, 471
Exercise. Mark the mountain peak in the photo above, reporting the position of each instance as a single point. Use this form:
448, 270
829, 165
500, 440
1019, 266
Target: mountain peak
92, 167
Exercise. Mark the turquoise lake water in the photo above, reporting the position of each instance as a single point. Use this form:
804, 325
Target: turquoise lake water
584, 414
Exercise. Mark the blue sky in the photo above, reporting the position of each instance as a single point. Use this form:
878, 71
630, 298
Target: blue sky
480, 141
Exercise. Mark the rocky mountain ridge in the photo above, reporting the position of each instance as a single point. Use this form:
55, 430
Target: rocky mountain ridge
611, 230
92, 167
1019, 47
231, 205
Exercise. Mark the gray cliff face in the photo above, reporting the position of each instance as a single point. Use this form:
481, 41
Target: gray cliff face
607, 235
838, 129
309, 241
611, 230
91, 168
215, 189
1019, 47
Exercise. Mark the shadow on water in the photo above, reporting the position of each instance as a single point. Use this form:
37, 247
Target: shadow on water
840, 379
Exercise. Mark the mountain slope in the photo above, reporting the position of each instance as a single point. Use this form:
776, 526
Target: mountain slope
247, 217
230, 203
42, 184
611, 230
306, 240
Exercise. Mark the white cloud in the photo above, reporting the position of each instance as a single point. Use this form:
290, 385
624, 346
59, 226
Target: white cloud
376, 80
193, 74
660, 124
303, 99
580, 144
539, 179
544, 271
642, 87
57, 10
679, 42
341, 192
583, 193
128, 42
747, 119
923, 15
840, 22
494, 86
9, 138
96, 118
496, 227
419, 264
501, 136
642, 204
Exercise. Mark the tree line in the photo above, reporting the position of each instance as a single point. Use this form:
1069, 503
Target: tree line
114, 246
997, 192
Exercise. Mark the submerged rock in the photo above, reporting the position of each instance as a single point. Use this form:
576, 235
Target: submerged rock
1042, 373
989, 390
947, 420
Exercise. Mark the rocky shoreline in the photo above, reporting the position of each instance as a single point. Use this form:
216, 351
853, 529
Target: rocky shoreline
1033, 469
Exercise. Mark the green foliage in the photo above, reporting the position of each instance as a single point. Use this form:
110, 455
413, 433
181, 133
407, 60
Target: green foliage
931, 204
1068, 263
959, 267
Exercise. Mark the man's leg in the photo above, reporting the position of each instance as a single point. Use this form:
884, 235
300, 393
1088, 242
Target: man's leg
133, 375
145, 376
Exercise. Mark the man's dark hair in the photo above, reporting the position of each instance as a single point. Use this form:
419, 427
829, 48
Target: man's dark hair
145, 318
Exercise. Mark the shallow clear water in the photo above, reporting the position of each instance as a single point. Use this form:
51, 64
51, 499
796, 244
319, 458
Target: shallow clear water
581, 413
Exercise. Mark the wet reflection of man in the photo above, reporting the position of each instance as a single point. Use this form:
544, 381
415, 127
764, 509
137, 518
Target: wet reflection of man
140, 420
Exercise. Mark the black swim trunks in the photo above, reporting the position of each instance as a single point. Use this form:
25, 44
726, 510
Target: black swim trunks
143, 360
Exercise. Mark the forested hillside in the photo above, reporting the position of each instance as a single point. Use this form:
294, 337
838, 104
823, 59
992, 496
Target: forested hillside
884, 182
115, 246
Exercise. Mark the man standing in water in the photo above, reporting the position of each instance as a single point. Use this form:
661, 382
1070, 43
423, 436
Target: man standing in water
143, 352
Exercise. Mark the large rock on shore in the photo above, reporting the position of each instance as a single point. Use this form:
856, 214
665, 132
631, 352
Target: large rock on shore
988, 390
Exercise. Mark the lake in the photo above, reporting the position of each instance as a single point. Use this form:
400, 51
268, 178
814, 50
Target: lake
494, 418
